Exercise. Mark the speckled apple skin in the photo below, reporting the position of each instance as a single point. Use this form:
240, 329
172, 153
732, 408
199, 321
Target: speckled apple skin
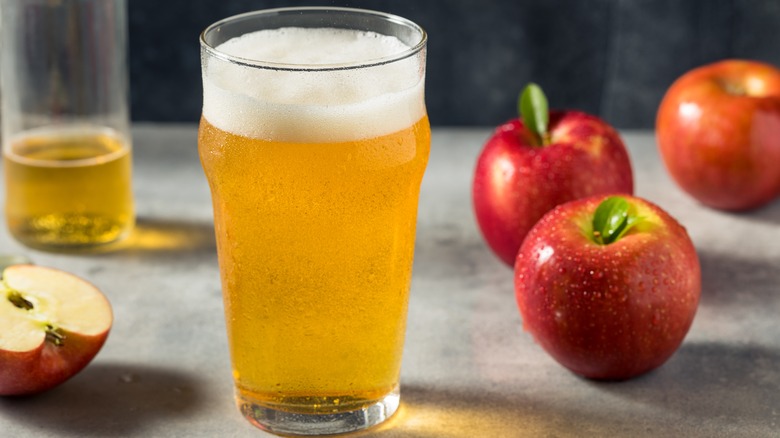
38, 370
608, 312
723, 149
516, 183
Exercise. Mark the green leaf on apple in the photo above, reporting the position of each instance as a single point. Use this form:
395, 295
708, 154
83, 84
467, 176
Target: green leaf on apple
612, 219
534, 112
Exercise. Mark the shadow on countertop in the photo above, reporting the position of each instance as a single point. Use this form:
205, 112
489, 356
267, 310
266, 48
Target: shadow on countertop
734, 384
718, 389
109, 399
769, 213
729, 279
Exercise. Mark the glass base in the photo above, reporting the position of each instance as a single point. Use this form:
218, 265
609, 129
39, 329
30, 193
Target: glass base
293, 423
69, 232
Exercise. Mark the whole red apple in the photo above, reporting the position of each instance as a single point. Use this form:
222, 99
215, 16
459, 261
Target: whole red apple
718, 131
51, 326
522, 173
608, 286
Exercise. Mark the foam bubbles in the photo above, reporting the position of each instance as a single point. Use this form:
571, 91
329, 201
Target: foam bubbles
299, 46
306, 106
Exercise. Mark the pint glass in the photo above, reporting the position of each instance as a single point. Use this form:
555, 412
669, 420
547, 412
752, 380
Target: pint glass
66, 127
314, 139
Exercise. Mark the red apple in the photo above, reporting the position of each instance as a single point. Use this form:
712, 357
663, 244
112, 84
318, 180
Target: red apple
718, 131
608, 286
51, 326
522, 173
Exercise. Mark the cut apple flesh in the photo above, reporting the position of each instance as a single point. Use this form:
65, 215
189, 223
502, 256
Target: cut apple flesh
39, 304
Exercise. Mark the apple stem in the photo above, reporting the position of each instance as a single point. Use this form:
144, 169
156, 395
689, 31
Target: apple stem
19, 301
534, 112
612, 220
55, 335
733, 88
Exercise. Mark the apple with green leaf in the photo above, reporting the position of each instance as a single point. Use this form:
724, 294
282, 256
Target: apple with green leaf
718, 131
608, 285
530, 165
52, 324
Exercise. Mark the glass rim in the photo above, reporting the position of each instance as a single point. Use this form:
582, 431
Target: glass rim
371, 62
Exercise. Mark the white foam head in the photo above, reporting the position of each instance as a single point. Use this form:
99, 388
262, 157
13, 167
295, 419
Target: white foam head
313, 106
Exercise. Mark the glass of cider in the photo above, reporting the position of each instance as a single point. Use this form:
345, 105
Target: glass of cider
65, 123
314, 140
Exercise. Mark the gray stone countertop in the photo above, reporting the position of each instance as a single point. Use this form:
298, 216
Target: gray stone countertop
469, 370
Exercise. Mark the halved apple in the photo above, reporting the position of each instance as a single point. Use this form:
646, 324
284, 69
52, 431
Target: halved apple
52, 324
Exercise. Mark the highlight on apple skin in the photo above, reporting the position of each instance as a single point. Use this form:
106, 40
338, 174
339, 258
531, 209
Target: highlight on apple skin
52, 324
608, 285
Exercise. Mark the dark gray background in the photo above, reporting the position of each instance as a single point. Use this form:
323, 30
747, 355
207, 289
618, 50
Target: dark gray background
614, 58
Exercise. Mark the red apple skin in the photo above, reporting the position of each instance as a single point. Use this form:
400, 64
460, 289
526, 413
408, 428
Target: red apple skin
516, 182
40, 369
35, 371
607, 312
718, 132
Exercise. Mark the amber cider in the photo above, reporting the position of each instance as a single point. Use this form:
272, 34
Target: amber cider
68, 187
315, 209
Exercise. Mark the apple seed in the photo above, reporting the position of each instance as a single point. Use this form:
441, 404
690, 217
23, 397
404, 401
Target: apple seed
19, 301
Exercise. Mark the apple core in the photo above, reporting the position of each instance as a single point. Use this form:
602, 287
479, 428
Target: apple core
54, 335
